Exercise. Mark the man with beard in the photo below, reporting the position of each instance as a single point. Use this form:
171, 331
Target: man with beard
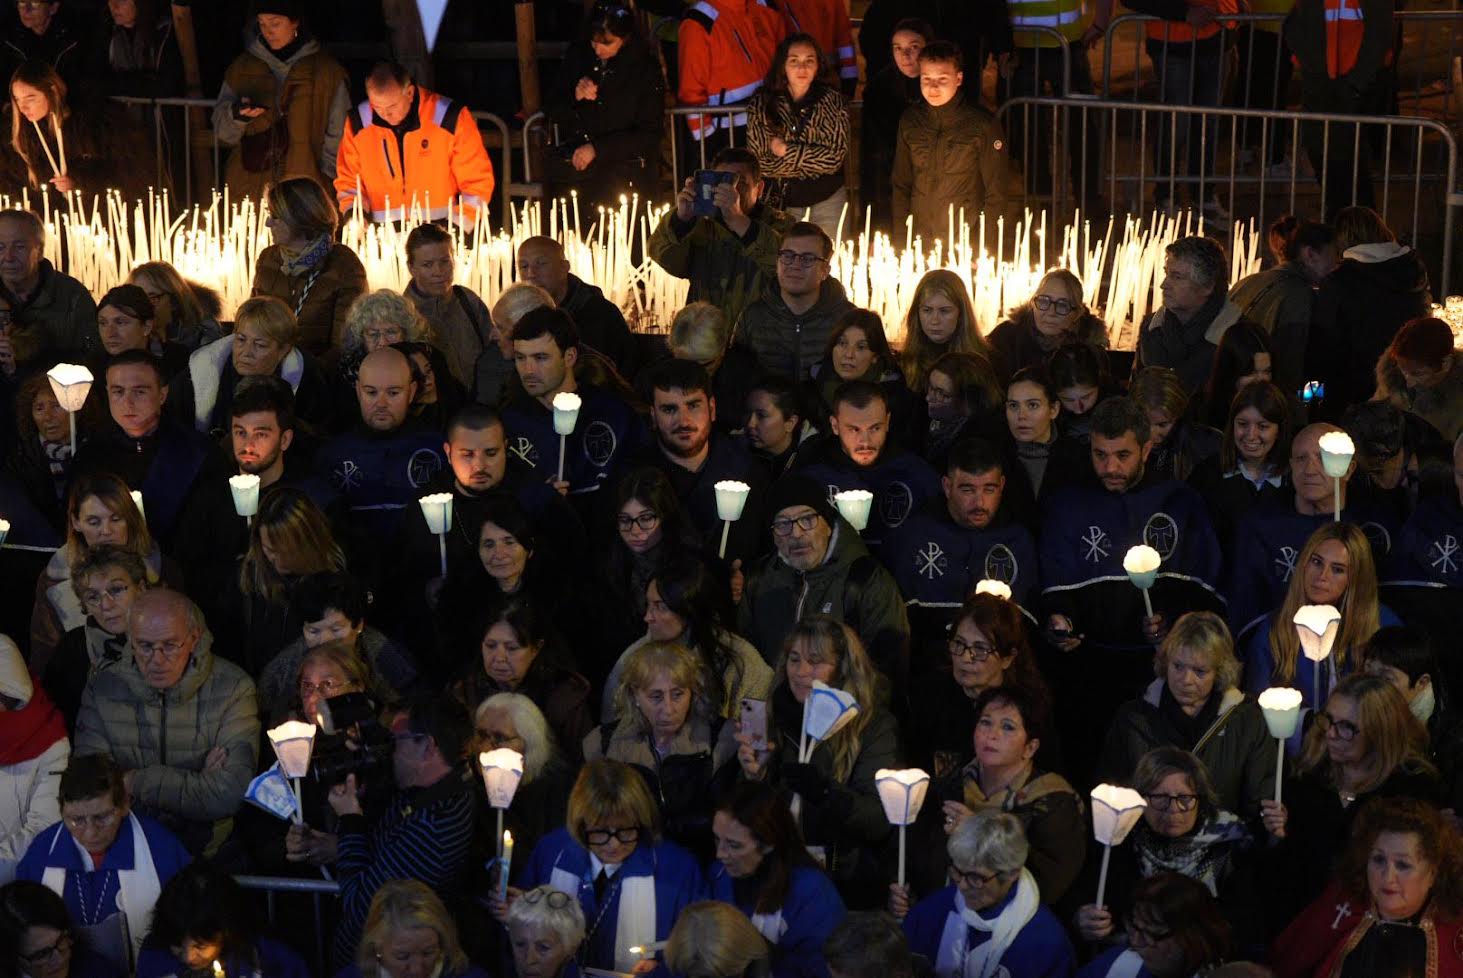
859, 455
695, 458
953, 543
1094, 613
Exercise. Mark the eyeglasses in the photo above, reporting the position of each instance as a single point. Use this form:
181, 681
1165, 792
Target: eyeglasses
1163, 803
974, 651
1147, 936
390, 334
151, 650
115, 593
783, 525
494, 739
556, 899
647, 521
1061, 307
326, 688
1345, 729
971, 877
799, 259
45, 954
97, 822
601, 837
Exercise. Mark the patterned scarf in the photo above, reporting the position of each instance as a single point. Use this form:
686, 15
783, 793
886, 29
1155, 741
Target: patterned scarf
58, 458
296, 263
1202, 855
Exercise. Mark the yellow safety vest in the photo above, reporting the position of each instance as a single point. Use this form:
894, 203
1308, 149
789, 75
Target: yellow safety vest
1281, 7
1070, 18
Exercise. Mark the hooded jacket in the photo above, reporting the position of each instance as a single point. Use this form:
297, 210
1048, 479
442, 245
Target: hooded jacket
1359, 308
789, 343
33, 754
164, 736
727, 270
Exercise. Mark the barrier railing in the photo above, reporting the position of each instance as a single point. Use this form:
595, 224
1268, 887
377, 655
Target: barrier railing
1427, 43
271, 886
1417, 177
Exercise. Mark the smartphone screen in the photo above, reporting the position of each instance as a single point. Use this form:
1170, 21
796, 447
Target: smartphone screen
754, 722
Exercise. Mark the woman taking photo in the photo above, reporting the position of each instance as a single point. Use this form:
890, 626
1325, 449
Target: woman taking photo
841, 812
40, 939
1049, 458
667, 729
518, 655
512, 720
1178, 445
1196, 706
991, 921
1175, 929
797, 125
316, 278
610, 113
1052, 316
775, 423
1334, 568
962, 399
683, 605
612, 823
941, 320
1252, 464
186, 312
764, 870
408, 933
1395, 907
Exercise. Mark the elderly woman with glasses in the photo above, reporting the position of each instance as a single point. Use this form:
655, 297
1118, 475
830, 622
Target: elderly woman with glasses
545, 929
990, 921
630, 883
107, 863
409, 934
1175, 929
1183, 830
40, 939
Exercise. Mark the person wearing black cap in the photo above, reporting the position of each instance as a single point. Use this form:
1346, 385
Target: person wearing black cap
274, 138
821, 567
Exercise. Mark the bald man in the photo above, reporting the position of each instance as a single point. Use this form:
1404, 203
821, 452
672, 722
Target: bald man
385, 462
601, 325
183, 723
1268, 539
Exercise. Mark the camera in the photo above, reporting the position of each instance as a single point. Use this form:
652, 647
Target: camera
355, 742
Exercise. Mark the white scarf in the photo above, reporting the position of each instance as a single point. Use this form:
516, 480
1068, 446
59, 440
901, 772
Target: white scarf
635, 924
956, 959
1129, 964
137, 888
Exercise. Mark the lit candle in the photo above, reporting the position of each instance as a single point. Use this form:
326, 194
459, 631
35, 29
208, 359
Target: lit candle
505, 865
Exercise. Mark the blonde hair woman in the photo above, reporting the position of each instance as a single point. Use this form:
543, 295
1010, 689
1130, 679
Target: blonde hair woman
610, 857
1334, 568
316, 277
841, 812
409, 933
714, 940
941, 320
669, 731
187, 312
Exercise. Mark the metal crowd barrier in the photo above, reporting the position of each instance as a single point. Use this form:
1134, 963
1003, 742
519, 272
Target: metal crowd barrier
1422, 36
1414, 174
270, 886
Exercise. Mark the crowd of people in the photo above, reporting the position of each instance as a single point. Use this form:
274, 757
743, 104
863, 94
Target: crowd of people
585, 603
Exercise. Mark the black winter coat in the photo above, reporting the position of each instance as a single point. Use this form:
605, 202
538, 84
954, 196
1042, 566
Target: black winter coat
624, 123
954, 155
886, 96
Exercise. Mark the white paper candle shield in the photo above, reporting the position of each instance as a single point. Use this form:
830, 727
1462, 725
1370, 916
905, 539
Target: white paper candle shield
1337, 450
437, 508
502, 770
854, 505
245, 489
999, 588
731, 499
1316, 624
70, 383
1281, 706
566, 412
1141, 563
292, 741
1115, 811
902, 793
827, 710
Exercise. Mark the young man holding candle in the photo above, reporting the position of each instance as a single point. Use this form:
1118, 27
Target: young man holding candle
545, 352
955, 541
1092, 607
182, 723
695, 457
859, 455
601, 325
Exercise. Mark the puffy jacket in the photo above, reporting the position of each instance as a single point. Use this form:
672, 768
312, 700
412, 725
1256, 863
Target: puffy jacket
725, 48
164, 736
434, 158
29, 785
727, 270
1359, 308
785, 342
320, 302
950, 156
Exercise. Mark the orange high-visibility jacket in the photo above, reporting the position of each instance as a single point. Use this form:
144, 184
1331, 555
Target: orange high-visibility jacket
1345, 28
725, 48
828, 22
441, 163
1179, 31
